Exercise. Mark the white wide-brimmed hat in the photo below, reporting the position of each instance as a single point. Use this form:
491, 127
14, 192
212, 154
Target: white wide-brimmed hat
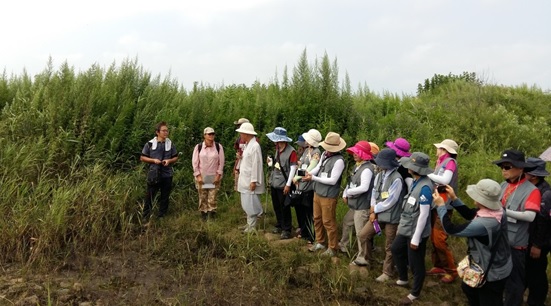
246, 128
312, 137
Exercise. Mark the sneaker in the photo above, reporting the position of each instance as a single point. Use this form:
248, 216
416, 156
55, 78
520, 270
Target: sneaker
408, 300
276, 230
328, 253
343, 249
436, 271
382, 278
249, 229
285, 235
316, 247
402, 283
360, 262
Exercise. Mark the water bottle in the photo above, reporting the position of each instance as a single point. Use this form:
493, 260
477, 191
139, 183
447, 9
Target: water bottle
377, 227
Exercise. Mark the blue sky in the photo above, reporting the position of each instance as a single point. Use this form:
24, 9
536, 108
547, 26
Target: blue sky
387, 45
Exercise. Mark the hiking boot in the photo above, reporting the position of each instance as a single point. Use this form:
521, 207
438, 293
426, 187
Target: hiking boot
316, 247
204, 216
328, 253
382, 278
285, 235
276, 230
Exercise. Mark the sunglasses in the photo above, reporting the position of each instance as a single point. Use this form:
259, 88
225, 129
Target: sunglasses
507, 167
211, 134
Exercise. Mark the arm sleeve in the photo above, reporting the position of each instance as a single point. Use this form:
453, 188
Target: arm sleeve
221, 161
365, 183
526, 215
443, 179
292, 171
423, 219
335, 174
393, 197
195, 161
316, 169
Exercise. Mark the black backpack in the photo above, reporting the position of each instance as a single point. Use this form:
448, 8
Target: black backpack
199, 147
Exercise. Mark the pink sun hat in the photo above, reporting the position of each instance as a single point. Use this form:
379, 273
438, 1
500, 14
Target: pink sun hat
363, 149
401, 146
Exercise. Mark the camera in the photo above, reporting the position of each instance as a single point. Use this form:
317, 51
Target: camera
441, 188
301, 172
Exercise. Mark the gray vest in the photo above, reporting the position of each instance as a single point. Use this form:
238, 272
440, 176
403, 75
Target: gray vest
518, 232
305, 160
391, 215
327, 164
480, 253
439, 170
277, 179
411, 212
361, 201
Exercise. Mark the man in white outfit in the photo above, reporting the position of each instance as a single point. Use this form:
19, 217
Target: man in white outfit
250, 184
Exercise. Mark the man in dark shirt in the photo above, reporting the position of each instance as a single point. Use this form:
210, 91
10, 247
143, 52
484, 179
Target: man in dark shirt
160, 153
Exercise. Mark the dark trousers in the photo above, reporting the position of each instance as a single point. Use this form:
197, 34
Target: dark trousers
282, 212
515, 285
164, 186
536, 278
305, 215
403, 255
489, 294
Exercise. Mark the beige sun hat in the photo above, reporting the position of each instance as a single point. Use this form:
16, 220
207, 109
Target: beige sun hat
246, 128
312, 137
449, 145
333, 142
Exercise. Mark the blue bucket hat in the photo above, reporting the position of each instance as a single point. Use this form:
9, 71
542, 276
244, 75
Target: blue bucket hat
279, 134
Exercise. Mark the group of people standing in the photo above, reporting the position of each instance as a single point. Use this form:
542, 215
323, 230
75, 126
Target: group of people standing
391, 191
